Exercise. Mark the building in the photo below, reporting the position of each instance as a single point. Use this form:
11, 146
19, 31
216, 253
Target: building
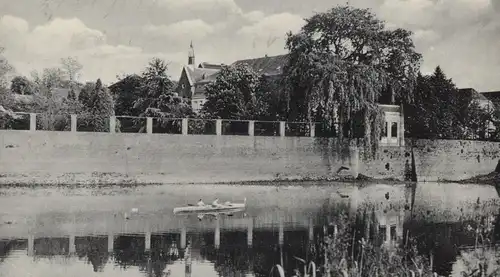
193, 78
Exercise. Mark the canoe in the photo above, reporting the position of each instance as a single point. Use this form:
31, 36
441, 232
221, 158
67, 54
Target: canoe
206, 209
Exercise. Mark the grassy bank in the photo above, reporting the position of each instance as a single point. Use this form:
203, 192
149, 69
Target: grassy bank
113, 179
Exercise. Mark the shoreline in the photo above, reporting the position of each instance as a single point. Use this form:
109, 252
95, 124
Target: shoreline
104, 180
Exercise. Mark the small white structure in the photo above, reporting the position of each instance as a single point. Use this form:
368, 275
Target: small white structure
393, 131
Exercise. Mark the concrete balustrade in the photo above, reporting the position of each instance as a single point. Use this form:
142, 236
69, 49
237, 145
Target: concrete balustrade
185, 125
147, 241
217, 234
32, 121
72, 245
183, 237
251, 128
111, 242
149, 125
394, 114
73, 123
112, 124
218, 127
250, 232
282, 129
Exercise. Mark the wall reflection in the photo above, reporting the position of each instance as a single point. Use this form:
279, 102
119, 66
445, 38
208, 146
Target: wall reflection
237, 245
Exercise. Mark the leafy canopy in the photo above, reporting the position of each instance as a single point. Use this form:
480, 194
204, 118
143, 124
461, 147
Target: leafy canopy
341, 63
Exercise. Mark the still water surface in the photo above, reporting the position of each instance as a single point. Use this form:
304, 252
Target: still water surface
133, 232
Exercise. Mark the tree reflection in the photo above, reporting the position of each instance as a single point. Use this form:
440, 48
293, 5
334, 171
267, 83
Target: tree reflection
95, 249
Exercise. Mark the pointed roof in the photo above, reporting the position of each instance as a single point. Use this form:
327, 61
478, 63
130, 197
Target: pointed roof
266, 65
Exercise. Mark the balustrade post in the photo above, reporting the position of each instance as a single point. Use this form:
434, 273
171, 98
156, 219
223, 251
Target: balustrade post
149, 125
73, 122
112, 124
312, 128
251, 128
282, 128
32, 121
147, 241
184, 126
218, 127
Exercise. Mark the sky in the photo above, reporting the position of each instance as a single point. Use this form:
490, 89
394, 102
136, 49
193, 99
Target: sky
112, 38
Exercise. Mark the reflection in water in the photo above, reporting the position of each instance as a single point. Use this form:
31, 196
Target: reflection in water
273, 232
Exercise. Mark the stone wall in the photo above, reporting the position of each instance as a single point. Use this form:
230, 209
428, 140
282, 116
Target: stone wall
454, 160
168, 158
209, 158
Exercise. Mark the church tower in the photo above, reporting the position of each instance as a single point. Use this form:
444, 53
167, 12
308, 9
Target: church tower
191, 61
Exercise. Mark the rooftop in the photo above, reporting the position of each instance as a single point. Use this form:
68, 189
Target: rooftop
266, 65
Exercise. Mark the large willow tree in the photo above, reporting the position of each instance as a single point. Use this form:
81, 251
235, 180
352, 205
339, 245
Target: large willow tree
341, 64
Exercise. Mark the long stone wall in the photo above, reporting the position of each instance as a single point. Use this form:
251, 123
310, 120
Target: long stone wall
165, 158
44, 156
454, 160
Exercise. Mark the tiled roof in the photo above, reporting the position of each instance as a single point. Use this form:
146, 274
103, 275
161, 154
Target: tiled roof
210, 66
492, 95
266, 65
202, 74
475, 95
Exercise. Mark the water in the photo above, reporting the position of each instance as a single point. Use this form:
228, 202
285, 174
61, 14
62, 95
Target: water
95, 232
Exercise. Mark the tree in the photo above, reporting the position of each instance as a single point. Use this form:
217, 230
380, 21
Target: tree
440, 110
126, 92
157, 98
98, 107
5, 68
71, 68
21, 85
233, 94
341, 63
49, 79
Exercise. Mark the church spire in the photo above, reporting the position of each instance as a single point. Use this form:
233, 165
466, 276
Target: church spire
191, 61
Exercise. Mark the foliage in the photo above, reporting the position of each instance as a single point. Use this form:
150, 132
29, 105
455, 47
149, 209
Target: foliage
233, 94
126, 93
47, 80
71, 67
97, 105
157, 98
5, 68
341, 63
441, 111
21, 85
349, 253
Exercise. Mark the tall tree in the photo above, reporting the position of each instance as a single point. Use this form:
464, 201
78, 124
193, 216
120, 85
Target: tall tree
98, 107
21, 85
233, 94
126, 92
439, 109
341, 62
5, 69
71, 67
156, 94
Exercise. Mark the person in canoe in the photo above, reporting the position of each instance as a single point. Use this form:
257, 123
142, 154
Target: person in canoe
216, 204
200, 203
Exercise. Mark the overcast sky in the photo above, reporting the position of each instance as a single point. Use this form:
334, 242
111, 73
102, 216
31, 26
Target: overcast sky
115, 37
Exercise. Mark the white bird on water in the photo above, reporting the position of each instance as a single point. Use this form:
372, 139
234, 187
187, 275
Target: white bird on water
133, 210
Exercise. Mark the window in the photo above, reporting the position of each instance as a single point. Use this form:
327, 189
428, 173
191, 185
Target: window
382, 233
384, 130
393, 233
394, 130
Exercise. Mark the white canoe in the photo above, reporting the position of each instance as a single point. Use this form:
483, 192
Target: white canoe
222, 208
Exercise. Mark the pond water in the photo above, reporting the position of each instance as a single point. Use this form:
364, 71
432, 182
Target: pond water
133, 231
